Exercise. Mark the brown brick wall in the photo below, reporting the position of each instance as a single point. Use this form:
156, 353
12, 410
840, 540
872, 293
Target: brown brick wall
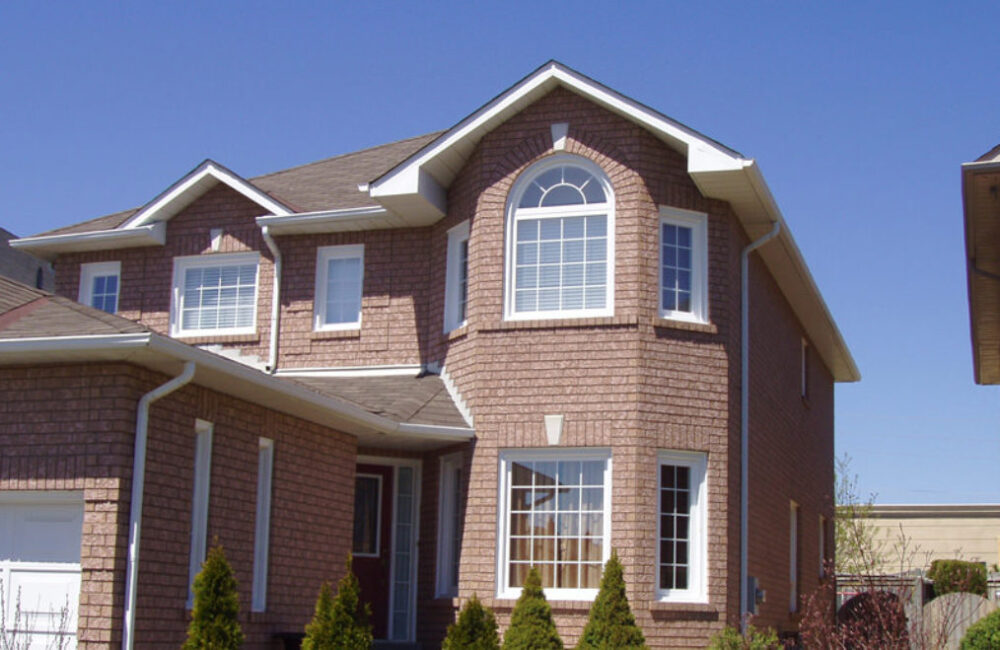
71, 427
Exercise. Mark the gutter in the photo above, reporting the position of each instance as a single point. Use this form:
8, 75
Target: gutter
745, 415
138, 484
272, 355
49, 247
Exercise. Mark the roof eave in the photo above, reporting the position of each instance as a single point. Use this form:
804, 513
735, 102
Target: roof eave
983, 290
49, 247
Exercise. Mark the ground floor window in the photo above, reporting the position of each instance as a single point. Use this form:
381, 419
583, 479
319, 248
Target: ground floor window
555, 507
681, 535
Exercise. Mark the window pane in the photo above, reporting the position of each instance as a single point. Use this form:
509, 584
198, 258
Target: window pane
219, 297
677, 266
366, 516
563, 195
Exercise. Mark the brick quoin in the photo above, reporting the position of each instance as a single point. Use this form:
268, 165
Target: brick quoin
634, 383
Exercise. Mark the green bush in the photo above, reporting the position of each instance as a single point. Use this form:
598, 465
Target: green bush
731, 639
611, 625
984, 634
475, 629
955, 575
531, 626
214, 617
340, 623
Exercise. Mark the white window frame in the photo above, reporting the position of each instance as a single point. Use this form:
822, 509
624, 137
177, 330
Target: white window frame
182, 264
262, 524
698, 223
793, 557
697, 591
90, 272
453, 278
515, 214
509, 456
323, 255
199, 501
378, 517
449, 495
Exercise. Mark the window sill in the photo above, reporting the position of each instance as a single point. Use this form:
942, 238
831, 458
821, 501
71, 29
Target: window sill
558, 606
667, 611
320, 335
627, 320
687, 326
457, 333
199, 339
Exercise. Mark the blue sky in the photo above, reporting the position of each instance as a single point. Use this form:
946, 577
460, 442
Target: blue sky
860, 115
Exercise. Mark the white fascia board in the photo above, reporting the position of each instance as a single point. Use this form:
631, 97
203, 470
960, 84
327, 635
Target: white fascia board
96, 342
50, 246
326, 220
408, 370
193, 185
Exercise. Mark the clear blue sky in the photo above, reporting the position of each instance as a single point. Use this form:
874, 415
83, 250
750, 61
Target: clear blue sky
859, 113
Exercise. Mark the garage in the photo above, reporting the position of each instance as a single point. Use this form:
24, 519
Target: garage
40, 534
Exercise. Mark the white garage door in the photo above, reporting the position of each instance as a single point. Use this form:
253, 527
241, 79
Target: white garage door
40, 534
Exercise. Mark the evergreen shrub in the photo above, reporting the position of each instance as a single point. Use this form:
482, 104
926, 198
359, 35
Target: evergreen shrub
475, 629
531, 625
611, 625
956, 575
731, 639
984, 634
340, 623
215, 616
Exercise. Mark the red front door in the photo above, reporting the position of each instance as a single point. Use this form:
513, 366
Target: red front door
373, 540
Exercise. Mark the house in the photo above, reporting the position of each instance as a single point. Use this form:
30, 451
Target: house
980, 198
23, 267
521, 341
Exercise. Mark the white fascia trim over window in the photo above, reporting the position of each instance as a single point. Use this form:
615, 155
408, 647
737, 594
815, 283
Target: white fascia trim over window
697, 591
323, 256
262, 524
455, 303
698, 223
182, 264
92, 271
449, 503
510, 236
199, 501
503, 515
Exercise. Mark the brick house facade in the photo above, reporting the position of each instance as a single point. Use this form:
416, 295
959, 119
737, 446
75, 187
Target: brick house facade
516, 430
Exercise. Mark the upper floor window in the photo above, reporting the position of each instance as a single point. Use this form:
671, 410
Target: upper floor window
99, 285
560, 241
683, 265
456, 286
339, 278
214, 295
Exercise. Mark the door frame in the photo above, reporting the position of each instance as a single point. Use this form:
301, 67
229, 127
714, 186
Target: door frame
416, 464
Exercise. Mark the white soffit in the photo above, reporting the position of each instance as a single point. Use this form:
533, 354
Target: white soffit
185, 191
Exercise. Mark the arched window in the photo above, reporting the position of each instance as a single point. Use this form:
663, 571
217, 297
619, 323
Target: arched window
560, 241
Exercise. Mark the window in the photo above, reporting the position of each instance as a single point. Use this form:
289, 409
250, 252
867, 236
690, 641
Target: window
339, 277
367, 515
822, 546
456, 289
99, 284
683, 265
793, 557
449, 517
214, 295
681, 554
199, 501
262, 524
555, 515
560, 242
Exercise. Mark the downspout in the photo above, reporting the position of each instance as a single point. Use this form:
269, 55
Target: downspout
745, 414
272, 355
138, 482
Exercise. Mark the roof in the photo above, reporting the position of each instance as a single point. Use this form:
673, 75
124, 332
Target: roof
981, 211
407, 185
39, 327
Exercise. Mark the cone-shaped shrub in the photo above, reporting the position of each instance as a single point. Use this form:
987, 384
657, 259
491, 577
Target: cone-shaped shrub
340, 623
531, 626
611, 624
475, 629
214, 617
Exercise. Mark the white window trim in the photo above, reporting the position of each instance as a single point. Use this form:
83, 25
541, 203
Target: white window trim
181, 264
698, 222
262, 524
378, 517
697, 591
323, 255
503, 511
514, 214
453, 281
94, 270
199, 501
448, 492
793, 557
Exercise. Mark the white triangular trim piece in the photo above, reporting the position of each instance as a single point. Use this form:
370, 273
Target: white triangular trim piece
456, 397
179, 195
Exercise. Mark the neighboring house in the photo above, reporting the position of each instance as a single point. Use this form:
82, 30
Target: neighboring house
23, 267
516, 342
981, 203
